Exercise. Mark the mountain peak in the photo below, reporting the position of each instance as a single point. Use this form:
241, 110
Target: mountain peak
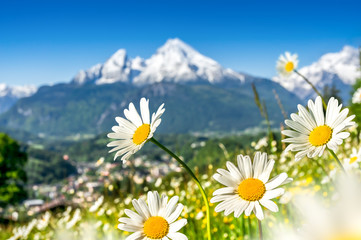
349, 49
17, 91
175, 44
175, 61
119, 55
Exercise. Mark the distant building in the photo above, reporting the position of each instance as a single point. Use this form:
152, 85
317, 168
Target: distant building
33, 203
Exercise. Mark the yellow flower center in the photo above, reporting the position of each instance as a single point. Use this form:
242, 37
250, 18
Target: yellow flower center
251, 189
141, 134
353, 159
320, 135
289, 66
156, 228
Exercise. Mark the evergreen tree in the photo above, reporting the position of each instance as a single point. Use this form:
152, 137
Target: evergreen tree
12, 174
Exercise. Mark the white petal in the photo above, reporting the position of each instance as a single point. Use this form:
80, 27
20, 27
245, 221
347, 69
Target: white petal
258, 211
176, 226
224, 180
158, 114
297, 126
132, 115
139, 209
220, 198
227, 203
267, 171
247, 164
153, 202
125, 123
241, 208
125, 145
118, 143
269, 204
135, 236
134, 216
144, 110
307, 116
257, 164
144, 207
276, 181
225, 190
291, 133
129, 228
171, 206
302, 121
163, 205
249, 209
176, 213
273, 193
177, 236
234, 171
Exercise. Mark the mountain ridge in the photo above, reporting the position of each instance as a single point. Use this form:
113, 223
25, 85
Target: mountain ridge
200, 96
174, 61
10, 94
68, 109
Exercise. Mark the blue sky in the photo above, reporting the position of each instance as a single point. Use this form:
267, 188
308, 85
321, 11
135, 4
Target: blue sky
44, 42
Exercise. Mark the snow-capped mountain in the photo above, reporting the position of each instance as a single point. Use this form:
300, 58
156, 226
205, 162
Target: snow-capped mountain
175, 61
10, 94
339, 69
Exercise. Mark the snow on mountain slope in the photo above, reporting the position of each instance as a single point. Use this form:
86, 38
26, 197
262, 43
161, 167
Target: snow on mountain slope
88, 75
175, 61
10, 94
178, 62
340, 69
115, 69
17, 91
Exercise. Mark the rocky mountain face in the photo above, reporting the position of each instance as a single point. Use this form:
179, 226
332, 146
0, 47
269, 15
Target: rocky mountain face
175, 62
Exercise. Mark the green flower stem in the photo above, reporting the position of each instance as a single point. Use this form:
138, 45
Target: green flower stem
337, 160
260, 230
250, 227
313, 87
324, 171
195, 180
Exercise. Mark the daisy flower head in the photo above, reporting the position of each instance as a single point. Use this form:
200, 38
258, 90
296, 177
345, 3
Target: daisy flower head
134, 130
355, 156
356, 98
352, 162
248, 186
313, 130
157, 220
286, 64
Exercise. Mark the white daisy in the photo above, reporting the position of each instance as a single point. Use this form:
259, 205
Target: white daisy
248, 186
356, 98
43, 222
355, 156
286, 64
351, 163
313, 131
134, 131
157, 220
